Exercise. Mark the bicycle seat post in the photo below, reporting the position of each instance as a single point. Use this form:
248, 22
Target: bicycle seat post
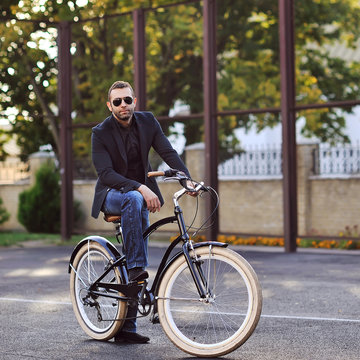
118, 233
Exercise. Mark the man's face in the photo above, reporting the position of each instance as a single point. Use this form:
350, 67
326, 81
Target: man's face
118, 104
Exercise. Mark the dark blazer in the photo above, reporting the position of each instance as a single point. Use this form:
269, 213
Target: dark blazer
109, 157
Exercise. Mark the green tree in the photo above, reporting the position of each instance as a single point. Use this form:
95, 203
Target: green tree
248, 64
4, 214
249, 76
28, 79
39, 206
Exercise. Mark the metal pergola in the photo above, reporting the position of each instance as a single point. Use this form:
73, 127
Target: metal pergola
287, 109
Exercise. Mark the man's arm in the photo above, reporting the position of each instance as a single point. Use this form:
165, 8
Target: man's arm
162, 146
170, 156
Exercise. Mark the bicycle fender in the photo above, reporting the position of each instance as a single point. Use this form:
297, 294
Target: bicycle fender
112, 250
196, 246
213, 243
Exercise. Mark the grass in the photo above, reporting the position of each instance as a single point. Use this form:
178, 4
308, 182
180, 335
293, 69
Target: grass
19, 238
16, 238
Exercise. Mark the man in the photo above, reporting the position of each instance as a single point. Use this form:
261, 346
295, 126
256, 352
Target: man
120, 149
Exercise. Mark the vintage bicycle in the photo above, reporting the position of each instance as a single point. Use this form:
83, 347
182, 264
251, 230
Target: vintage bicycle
207, 297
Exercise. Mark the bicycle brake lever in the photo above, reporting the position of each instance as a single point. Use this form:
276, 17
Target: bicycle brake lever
170, 179
182, 181
171, 172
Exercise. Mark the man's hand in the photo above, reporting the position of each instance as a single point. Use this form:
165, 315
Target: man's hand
190, 185
152, 201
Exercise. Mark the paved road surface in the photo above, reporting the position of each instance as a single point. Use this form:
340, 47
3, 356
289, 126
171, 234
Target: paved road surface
311, 309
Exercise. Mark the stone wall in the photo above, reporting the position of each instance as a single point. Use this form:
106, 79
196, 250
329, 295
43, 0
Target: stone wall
326, 205
334, 205
10, 195
251, 206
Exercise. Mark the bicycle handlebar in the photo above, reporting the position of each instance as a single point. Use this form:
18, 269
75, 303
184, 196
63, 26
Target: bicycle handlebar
178, 175
197, 188
156, 173
168, 173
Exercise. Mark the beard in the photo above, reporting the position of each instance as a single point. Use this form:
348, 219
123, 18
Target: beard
124, 115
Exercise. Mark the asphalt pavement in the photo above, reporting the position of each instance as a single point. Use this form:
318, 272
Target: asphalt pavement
311, 308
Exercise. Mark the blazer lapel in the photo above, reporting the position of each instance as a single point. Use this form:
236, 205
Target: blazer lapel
142, 143
118, 141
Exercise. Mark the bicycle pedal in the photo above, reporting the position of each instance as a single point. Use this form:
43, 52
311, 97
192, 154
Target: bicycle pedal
137, 282
155, 319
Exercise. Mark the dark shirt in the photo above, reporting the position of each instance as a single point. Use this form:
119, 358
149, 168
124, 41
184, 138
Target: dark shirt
130, 137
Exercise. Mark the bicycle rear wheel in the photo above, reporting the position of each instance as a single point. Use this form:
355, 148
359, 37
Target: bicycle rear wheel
99, 316
224, 320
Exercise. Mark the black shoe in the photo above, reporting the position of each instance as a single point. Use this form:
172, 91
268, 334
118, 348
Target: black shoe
130, 337
138, 274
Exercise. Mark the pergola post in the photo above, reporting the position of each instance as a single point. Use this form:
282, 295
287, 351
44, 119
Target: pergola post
64, 100
139, 58
210, 109
288, 116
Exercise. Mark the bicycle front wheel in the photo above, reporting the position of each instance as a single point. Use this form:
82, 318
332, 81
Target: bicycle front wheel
222, 321
100, 317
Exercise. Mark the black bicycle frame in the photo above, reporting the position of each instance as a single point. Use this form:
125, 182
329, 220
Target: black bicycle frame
131, 290
184, 236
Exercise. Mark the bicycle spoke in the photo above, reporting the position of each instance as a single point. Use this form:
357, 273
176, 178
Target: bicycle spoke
179, 299
219, 319
97, 312
77, 274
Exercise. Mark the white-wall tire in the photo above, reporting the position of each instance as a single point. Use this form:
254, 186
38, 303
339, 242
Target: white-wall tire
89, 264
220, 325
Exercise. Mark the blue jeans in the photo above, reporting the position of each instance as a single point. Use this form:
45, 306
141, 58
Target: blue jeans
134, 220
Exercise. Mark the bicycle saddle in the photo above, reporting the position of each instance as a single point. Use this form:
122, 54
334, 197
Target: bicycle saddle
112, 218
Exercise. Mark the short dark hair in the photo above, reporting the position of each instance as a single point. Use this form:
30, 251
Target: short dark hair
120, 85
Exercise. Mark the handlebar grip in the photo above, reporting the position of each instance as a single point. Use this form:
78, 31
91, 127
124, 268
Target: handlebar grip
156, 173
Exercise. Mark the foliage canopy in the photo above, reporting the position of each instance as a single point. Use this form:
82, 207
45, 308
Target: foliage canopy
248, 64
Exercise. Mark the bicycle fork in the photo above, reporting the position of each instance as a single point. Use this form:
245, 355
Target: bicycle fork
194, 263
196, 270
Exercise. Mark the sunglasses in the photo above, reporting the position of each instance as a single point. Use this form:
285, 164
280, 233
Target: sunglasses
128, 100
